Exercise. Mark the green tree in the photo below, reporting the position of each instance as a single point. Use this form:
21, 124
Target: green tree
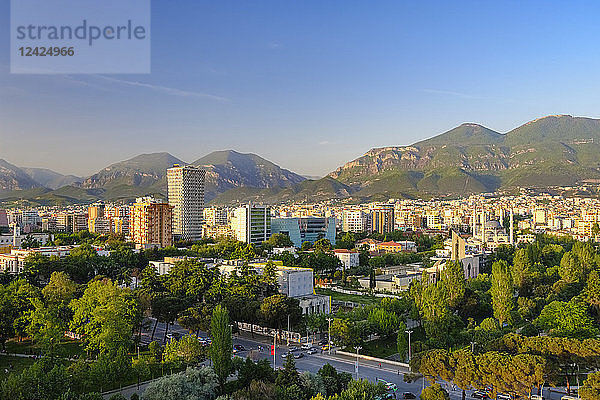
276, 309
186, 350
571, 268
591, 387
105, 315
384, 323
434, 392
402, 340
592, 291
502, 292
361, 390
333, 381
43, 380
249, 370
45, 326
521, 270
279, 240
221, 348
288, 375
192, 384
567, 319
453, 278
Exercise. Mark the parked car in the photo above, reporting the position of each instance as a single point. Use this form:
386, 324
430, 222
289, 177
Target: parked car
408, 395
239, 347
306, 346
480, 395
537, 397
502, 396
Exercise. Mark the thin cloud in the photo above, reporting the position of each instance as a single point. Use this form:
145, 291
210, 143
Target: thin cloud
325, 143
275, 45
163, 89
451, 93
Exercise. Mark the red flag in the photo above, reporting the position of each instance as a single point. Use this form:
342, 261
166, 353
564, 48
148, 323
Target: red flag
272, 349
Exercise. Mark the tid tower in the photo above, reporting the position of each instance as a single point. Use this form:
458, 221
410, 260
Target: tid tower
186, 196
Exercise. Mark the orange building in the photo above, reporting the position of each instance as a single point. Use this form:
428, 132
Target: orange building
151, 223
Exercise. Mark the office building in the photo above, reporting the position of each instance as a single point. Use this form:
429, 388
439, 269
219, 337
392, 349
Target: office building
251, 223
186, 196
305, 229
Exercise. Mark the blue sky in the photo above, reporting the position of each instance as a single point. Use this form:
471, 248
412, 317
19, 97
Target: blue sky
308, 85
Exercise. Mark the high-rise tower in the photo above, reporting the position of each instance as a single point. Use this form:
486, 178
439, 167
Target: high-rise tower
186, 196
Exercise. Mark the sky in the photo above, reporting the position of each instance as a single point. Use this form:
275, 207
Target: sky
307, 84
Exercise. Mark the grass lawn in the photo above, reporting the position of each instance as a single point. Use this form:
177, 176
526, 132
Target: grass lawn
68, 348
363, 299
18, 364
380, 348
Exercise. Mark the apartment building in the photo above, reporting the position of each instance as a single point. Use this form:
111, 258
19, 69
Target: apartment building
152, 223
186, 196
382, 216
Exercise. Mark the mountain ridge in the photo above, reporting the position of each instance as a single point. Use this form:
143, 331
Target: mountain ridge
470, 158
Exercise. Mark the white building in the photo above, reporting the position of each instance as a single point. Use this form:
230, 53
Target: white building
186, 195
14, 262
355, 221
348, 258
251, 223
298, 283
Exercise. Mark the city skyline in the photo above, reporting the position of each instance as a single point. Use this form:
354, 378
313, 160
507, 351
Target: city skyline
331, 82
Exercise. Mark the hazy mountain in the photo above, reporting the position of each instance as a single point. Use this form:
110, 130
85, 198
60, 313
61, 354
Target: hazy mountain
307, 191
550, 151
143, 170
51, 179
229, 169
145, 175
14, 178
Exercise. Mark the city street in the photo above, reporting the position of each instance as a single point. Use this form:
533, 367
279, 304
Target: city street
312, 363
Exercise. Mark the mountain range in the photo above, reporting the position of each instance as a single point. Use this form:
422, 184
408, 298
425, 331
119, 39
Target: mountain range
551, 151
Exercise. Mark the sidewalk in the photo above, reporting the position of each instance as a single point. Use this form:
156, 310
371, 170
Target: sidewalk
369, 363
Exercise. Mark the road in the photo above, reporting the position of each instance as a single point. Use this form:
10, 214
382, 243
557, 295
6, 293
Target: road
312, 363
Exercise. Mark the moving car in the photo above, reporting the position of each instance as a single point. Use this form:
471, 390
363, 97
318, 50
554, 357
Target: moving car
239, 347
480, 395
312, 350
408, 395
298, 355
389, 385
306, 346
502, 396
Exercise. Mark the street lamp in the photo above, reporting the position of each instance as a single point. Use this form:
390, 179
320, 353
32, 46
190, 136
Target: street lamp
409, 331
356, 366
472, 347
329, 319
